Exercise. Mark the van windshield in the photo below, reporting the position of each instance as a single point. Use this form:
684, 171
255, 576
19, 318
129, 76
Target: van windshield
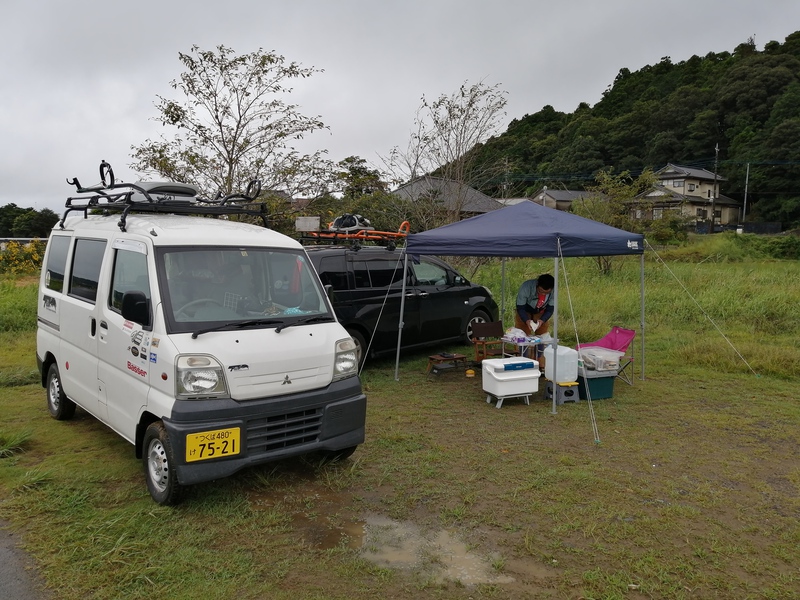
208, 286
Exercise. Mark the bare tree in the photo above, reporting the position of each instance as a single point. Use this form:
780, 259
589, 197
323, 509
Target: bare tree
445, 135
234, 125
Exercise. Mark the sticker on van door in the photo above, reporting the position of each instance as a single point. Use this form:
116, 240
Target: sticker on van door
138, 370
49, 303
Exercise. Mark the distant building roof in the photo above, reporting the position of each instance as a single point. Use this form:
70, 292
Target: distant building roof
511, 201
663, 195
671, 171
454, 195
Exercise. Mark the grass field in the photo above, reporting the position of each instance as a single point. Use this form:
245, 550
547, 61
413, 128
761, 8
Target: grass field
685, 485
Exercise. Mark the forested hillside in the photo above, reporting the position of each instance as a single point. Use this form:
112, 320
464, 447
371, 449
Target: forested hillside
747, 101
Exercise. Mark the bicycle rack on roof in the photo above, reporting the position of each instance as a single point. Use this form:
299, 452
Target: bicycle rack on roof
110, 197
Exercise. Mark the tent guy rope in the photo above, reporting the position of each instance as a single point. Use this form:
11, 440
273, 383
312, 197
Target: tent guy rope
702, 310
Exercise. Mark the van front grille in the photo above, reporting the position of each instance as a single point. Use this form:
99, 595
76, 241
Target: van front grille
283, 431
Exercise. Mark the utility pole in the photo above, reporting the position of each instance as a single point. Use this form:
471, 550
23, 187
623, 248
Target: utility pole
746, 182
714, 191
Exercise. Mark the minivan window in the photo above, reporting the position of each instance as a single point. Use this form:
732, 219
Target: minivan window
361, 274
333, 272
384, 273
212, 285
429, 273
130, 274
56, 262
86, 262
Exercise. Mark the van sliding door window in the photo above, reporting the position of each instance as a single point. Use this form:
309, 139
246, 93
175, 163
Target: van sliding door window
86, 262
386, 273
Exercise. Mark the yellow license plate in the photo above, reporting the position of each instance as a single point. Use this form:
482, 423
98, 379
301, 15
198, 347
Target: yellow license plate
212, 444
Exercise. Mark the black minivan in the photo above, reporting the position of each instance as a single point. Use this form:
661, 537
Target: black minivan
440, 304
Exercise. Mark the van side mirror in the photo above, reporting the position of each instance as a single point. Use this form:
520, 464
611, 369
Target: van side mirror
459, 280
329, 291
136, 308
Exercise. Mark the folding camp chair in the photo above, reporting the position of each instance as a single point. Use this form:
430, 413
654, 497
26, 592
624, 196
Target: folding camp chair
618, 339
486, 339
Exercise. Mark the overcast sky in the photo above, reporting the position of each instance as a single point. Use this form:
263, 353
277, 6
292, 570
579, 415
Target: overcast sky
79, 78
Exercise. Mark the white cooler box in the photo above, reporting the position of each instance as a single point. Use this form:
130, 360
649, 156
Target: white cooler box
510, 377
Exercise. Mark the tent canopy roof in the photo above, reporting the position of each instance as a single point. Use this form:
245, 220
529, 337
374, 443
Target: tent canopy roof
526, 229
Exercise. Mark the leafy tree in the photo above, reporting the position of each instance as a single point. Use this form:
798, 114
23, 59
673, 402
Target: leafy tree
357, 179
234, 125
612, 201
34, 224
8, 214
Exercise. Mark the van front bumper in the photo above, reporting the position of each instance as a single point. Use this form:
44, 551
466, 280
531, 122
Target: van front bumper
332, 418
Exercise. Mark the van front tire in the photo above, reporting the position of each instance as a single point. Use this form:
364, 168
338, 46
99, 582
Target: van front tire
60, 407
159, 465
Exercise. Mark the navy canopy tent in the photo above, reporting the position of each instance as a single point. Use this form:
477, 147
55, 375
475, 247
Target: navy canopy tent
530, 230
526, 229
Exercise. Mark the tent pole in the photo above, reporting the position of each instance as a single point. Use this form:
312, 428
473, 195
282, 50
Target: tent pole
502, 288
641, 302
555, 329
402, 309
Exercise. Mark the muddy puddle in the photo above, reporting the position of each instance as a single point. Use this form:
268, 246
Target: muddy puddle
402, 545
438, 555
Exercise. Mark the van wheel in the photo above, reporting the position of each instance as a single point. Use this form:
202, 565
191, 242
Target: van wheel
159, 465
361, 347
61, 408
477, 316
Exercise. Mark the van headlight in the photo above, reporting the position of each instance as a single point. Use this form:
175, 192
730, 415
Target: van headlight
345, 363
199, 376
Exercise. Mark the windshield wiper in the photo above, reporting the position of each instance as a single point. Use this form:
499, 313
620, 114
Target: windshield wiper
317, 319
240, 325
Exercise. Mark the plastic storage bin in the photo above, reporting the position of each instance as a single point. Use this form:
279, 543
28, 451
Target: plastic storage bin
567, 367
600, 384
510, 377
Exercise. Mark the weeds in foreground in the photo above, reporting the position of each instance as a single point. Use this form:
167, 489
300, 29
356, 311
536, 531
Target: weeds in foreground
12, 443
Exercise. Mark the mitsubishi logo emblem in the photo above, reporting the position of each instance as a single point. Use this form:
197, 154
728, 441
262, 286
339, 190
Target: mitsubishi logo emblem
286, 380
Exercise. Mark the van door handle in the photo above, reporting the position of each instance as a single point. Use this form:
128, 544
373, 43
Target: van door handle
93, 326
424, 294
103, 325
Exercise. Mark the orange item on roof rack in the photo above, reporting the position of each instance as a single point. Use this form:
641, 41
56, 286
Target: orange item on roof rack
363, 234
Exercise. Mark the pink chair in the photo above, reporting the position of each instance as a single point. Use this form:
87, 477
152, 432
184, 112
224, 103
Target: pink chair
618, 339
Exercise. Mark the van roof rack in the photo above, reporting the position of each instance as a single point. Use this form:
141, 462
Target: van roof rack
112, 197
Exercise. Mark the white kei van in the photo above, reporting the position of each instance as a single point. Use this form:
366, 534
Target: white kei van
208, 343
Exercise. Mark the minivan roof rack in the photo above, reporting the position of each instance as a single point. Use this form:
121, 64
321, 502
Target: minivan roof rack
112, 197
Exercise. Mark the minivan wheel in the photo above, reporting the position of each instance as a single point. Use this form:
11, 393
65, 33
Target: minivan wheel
159, 465
477, 316
60, 407
361, 346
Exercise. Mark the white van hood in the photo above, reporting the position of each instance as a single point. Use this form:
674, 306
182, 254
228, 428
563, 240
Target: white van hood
260, 363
